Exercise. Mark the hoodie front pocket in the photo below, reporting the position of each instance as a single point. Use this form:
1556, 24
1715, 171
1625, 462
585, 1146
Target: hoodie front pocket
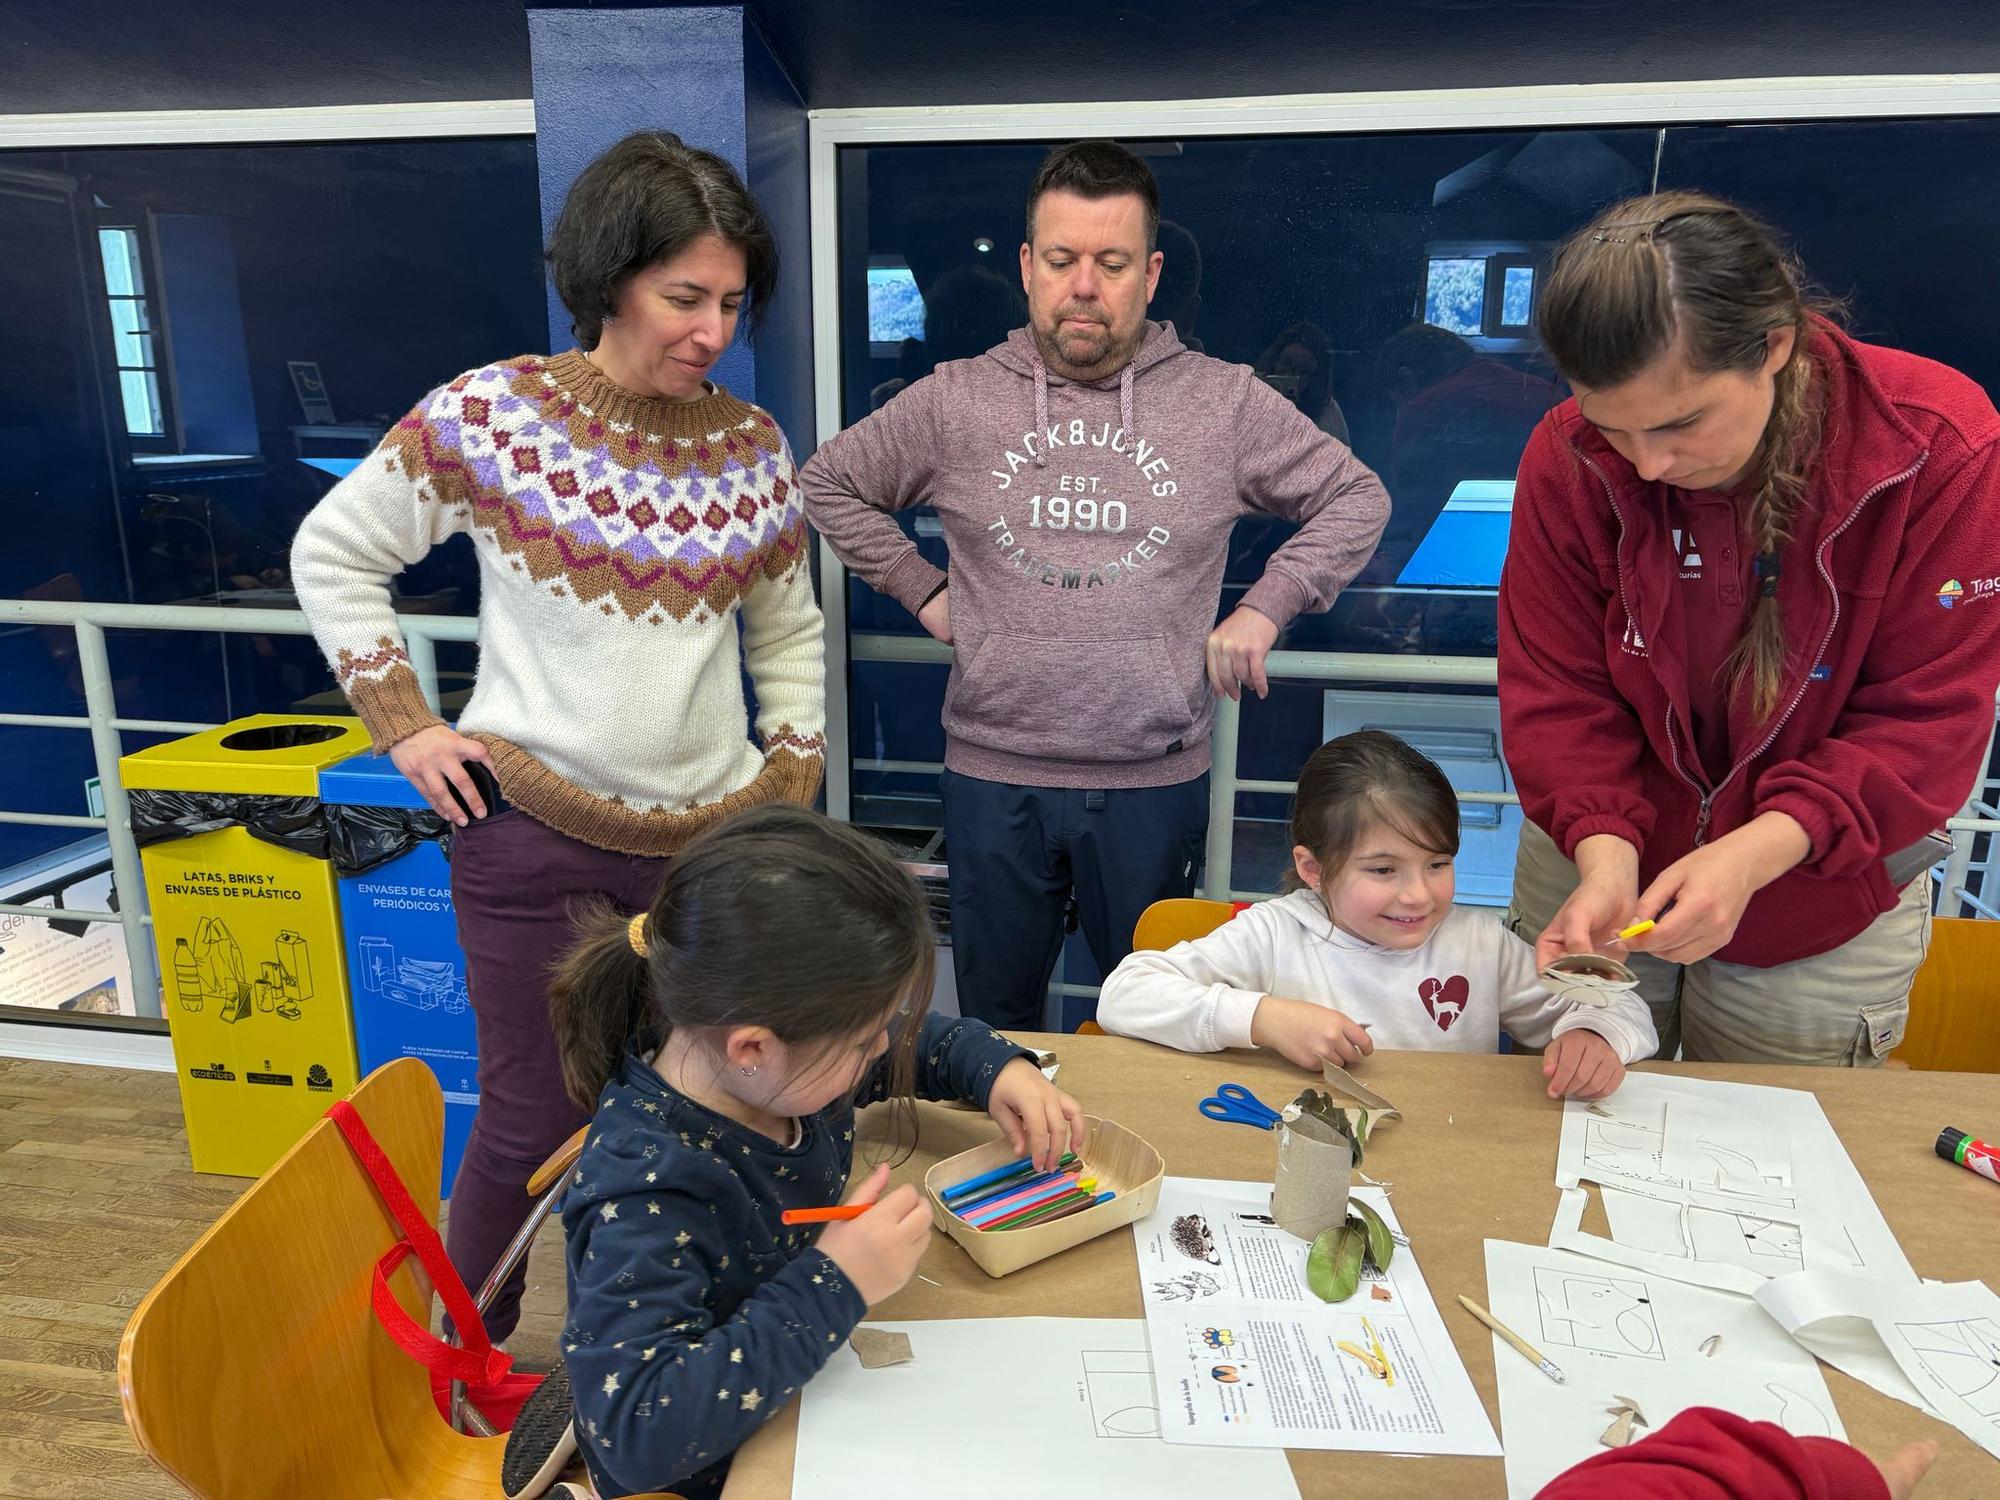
1070, 700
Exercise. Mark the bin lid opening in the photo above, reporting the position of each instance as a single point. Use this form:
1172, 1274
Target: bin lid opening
282, 736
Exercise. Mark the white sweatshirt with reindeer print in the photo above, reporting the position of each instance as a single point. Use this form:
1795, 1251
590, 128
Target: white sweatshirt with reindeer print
1471, 980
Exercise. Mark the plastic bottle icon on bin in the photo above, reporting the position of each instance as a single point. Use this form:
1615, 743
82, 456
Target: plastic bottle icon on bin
210, 966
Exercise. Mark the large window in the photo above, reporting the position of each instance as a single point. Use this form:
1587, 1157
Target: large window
1386, 284
134, 338
199, 340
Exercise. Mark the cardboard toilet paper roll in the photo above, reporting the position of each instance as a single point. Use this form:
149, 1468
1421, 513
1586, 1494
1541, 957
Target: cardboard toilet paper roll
1315, 1171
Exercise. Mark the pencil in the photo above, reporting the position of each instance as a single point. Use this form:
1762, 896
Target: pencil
1534, 1356
1636, 929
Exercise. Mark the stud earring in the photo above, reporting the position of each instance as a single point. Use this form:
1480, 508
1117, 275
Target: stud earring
746, 1072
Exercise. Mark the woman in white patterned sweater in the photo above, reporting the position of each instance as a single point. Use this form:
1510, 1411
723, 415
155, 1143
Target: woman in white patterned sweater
625, 510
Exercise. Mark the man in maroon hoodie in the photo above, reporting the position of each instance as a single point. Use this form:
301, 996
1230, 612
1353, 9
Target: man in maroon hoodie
1087, 473
1749, 637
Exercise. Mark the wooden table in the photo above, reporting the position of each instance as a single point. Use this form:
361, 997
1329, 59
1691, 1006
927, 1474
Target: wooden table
1472, 1159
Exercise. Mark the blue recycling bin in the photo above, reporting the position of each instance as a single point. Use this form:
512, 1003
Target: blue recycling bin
405, 968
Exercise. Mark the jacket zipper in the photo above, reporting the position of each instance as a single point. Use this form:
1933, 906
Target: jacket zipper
1706, 811
1618, 558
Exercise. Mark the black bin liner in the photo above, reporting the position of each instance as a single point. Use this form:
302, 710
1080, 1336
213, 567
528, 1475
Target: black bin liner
353, 839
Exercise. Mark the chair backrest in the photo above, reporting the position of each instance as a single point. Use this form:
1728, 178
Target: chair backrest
1955, 1000
1178, 920
256, 1367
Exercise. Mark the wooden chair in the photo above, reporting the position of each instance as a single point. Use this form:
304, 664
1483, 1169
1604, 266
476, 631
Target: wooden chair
256, 1367
1955, 1000
1164, 923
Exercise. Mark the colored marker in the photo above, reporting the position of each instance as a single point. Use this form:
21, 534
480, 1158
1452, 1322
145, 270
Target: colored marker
1015, 1184
1008, 1207
1039, 1202
1061, 1182
1974, 1156
1083, 1201
1034, 1212
1635, 930
839, 1212
997, 1175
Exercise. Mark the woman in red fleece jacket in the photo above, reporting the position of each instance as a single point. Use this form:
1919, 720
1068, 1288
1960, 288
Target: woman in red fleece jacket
1748, 632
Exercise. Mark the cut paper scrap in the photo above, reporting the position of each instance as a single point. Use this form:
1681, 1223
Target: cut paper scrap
1935, 1345
876, 1347
1625, 1418
1358, 1098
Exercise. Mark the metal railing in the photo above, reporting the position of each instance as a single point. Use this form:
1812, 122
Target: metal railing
1981, 813
90, 622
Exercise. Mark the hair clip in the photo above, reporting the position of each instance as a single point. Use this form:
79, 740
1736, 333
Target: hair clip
1766, 568
635, 934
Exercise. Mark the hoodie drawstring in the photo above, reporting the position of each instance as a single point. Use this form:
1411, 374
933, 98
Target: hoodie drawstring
1041, 409
1126, 406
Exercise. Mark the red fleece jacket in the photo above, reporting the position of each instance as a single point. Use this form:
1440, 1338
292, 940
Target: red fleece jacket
1706, 1454
1890, 596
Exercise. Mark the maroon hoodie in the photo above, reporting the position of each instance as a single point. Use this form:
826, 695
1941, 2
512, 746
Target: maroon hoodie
1088, 525
1891, 609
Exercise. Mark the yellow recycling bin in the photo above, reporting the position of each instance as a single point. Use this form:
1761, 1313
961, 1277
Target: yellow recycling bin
246, 919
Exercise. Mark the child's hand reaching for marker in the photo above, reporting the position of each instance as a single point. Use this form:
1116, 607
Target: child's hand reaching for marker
1581, 1065
1038, 1119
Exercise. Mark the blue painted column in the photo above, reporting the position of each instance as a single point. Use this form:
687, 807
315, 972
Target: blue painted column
705, 74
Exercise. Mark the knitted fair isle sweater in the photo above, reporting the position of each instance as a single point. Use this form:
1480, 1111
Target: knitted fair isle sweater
617, 539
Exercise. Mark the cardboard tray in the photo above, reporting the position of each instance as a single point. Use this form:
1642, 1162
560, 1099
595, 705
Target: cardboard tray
1120, 1161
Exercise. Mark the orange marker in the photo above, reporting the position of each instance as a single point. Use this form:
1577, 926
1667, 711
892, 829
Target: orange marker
838, 1212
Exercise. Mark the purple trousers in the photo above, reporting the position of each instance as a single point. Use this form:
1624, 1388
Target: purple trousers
515, 883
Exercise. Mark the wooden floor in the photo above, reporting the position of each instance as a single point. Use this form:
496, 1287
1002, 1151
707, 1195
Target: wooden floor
96, 1201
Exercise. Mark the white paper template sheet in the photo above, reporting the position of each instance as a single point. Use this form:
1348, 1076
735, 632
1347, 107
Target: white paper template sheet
1621, 1334
1244, 1353
1935, 1344
1719, 1184
1009, 1408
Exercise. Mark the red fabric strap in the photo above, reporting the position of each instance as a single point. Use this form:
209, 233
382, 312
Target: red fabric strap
477, 1362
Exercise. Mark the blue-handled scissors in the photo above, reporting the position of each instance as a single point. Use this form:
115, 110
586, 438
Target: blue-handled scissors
1235, 1105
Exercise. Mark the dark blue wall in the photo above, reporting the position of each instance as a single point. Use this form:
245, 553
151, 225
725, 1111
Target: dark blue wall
120, 54
705, 74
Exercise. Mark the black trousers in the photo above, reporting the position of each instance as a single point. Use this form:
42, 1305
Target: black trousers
1017, 853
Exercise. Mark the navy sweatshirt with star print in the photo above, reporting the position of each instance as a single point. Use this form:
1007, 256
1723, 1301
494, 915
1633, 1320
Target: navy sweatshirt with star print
694, 1314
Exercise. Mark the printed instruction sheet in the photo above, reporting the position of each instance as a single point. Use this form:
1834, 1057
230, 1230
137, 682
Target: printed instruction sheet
1621, 1336
1724, 1185
1007, 1408
1934, 1344
1244, 1354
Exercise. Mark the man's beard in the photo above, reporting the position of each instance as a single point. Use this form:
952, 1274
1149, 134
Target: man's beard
1084, 354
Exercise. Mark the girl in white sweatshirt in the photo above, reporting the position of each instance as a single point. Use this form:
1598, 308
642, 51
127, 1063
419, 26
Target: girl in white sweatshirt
1368, 951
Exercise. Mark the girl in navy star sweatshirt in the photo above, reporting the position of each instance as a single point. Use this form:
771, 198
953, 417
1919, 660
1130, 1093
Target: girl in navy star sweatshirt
726, 1038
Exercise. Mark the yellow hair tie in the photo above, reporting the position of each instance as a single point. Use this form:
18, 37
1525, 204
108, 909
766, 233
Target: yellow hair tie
635, 934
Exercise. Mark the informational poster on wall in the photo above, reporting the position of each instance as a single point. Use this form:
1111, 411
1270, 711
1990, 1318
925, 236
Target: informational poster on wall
57, 963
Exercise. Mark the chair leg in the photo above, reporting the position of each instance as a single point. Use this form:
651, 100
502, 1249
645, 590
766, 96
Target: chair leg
464, 1416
